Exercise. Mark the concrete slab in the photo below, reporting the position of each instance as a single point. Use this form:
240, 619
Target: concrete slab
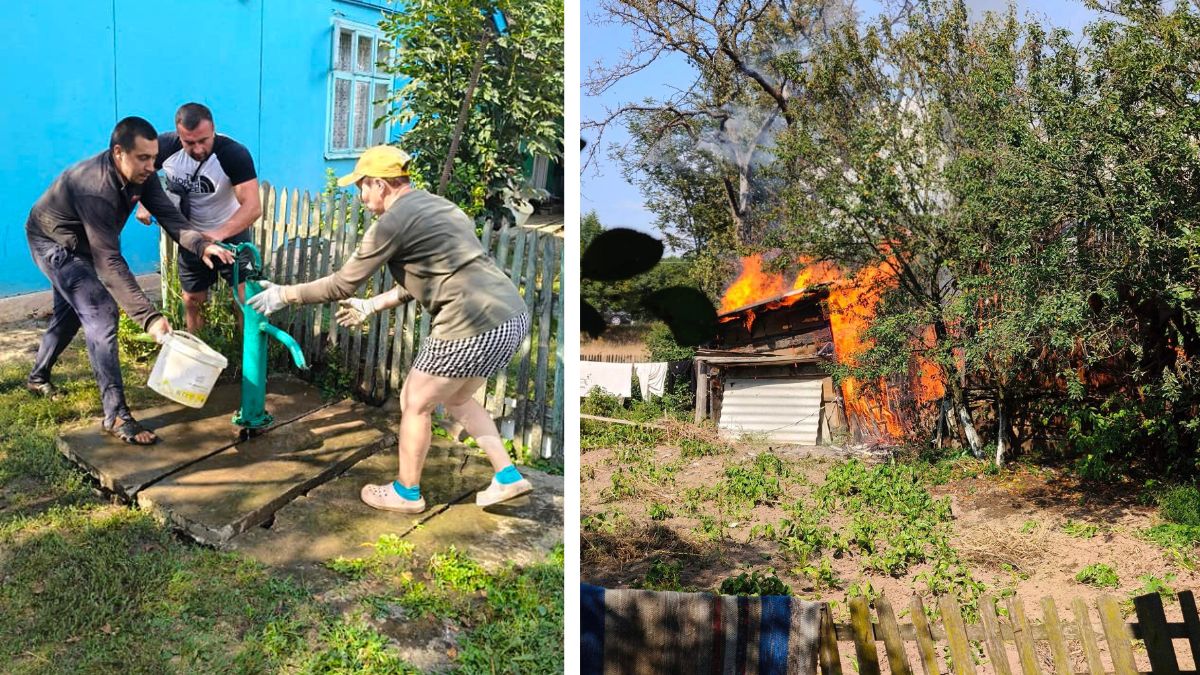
244, 485
332, 521
188, 435
521, 531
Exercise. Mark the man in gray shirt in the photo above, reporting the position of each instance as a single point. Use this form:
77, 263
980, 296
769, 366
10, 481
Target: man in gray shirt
74, 235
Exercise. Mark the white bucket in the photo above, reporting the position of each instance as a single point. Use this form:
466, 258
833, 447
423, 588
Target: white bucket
186, 369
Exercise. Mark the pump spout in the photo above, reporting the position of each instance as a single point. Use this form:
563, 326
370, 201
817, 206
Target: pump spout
289, 342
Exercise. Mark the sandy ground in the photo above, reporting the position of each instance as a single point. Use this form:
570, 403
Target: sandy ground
1008, 529
23, 319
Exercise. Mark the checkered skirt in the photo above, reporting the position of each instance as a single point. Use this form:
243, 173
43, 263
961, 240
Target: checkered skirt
483, 355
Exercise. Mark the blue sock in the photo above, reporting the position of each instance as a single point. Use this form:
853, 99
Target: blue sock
412, 494
508, 475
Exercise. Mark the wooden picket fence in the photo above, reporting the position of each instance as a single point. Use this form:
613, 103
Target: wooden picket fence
1014, 635
304, 237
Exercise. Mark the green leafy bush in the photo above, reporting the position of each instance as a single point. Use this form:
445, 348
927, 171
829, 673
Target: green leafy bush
1099, 575
754, 584
1181, 504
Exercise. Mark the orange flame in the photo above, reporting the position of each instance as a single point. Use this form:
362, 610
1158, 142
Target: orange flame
752, 285
852, 306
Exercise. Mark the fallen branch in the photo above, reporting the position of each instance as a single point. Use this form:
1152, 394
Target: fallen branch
612, 420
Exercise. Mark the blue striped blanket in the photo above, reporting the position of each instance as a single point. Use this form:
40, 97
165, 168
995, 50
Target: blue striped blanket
648, 632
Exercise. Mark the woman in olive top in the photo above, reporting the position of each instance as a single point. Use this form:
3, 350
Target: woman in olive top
479, 319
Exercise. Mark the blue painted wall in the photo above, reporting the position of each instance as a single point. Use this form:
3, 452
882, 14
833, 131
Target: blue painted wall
261, 65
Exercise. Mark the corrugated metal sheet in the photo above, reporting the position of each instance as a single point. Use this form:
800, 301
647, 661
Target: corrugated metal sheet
788, 411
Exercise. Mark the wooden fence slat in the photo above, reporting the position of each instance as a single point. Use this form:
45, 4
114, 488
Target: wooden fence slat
1153, 622
924, 638
318, 250
380, 363
309, 214
1023, 636
485, 238
1054, 634
347, 225
1087, 636
352, 336
410, 335
831, 660
334, 260
1191, 620
956, 635
994, 637
1116, 635
864, 637
498, 407
893, 643
367, 355
262, 228
278, 236
292, 236
524, 354
548, 413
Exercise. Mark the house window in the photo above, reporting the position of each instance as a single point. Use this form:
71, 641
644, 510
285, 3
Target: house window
358, 89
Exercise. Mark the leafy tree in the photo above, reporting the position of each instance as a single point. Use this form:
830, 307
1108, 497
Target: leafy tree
516, 108
745, 57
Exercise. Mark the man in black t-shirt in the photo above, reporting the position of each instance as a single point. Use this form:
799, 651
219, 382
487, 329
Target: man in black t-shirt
212, 179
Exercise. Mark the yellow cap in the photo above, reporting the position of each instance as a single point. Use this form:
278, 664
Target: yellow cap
381, 161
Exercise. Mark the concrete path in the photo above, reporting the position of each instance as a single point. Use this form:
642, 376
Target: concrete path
290, 497
332, 521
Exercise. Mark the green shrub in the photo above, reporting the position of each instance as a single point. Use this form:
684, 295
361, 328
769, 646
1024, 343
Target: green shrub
690, 447
1099, 575
1181, 504
663, 575
754, 584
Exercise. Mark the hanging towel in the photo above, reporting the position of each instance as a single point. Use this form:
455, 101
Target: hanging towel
643, 632
614, 378
652, 378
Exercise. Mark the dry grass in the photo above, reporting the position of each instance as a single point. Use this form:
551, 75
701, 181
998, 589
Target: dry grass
992, 548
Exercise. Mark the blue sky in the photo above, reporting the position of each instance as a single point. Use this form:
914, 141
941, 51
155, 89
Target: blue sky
603, 188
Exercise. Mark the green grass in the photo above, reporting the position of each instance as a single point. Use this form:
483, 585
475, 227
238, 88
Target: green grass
892, 524
88, 586
1080, 530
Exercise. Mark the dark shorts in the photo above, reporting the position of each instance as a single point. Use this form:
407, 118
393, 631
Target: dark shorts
483, 355
196, 277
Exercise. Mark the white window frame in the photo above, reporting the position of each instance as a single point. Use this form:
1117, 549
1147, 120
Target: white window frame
372, 76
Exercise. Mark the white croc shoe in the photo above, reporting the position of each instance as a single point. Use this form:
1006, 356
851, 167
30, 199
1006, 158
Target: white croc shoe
384, 498
498, 492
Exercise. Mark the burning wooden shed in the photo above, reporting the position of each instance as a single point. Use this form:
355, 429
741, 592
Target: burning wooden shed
766, 372
763, 374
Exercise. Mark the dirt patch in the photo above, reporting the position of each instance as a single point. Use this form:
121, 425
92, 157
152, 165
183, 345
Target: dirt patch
1024, 532
19, 340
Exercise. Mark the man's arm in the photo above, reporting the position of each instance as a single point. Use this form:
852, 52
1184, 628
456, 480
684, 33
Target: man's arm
249, 209
99, 218
171, 220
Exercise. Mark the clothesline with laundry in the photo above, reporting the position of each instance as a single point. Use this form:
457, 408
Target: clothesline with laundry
617, 378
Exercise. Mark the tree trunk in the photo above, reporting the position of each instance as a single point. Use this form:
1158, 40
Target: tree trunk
463, 112
1001, 430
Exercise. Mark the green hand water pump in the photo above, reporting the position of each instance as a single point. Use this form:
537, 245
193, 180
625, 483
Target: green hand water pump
253, 415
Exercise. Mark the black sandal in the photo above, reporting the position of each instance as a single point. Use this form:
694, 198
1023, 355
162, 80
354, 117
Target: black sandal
129, 431
43, 389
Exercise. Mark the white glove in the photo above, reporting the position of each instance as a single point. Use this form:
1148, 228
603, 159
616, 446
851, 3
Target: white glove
354, 311
270, 300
